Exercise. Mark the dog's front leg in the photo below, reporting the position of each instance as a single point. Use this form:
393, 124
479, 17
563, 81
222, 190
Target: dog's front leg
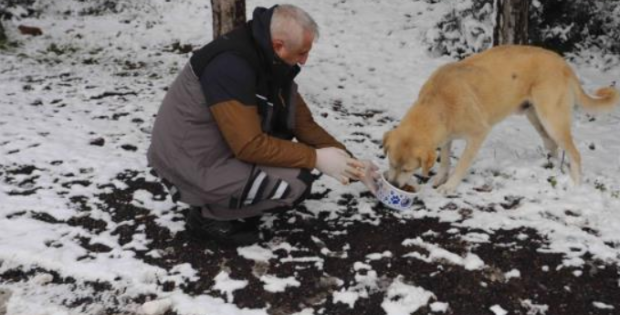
471, 149
444, 165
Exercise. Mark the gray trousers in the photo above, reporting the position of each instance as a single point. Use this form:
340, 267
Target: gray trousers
263, 188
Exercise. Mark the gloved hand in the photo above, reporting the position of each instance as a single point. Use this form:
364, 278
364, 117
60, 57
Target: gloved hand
337, 163
370, 176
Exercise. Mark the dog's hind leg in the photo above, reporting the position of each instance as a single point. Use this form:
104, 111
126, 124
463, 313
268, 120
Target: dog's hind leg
444, 165
471, 150
555, 114
550, 144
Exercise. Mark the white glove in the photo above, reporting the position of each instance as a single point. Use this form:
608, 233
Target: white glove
337, 164
370, 176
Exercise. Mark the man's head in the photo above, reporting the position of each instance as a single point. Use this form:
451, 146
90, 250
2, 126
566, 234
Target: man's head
292, 33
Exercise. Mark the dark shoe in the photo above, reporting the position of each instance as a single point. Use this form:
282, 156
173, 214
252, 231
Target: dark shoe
226, 232
251, 224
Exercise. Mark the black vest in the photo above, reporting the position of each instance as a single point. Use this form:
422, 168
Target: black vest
274, 95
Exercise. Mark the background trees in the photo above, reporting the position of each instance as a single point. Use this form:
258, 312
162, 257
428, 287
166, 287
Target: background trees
2, 35
563, 26
227, 15
568, 26
468, 27
3, 38
511, 22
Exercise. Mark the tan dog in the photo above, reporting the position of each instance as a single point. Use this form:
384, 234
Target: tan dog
463, 100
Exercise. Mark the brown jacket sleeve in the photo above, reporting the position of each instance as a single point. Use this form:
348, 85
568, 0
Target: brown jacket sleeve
240, 125
308, 131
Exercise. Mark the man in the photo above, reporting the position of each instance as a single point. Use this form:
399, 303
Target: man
223, 140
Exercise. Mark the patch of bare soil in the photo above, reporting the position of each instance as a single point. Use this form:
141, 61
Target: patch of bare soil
325, 248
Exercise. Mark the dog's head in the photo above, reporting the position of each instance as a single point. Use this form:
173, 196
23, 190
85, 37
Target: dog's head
406, 156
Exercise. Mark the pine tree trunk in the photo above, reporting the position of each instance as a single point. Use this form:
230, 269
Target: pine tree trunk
227, 15
511, 25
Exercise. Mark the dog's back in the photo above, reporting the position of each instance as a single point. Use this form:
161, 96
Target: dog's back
504, 78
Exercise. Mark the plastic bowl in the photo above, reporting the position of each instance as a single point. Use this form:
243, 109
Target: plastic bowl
392, 196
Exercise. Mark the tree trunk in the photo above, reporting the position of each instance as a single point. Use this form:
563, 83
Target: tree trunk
511, 23
227, 15
2, 34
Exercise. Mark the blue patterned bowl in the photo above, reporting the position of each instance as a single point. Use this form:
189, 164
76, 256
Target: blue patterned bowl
393, 197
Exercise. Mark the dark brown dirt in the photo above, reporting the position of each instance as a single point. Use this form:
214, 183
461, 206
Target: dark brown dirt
349, 238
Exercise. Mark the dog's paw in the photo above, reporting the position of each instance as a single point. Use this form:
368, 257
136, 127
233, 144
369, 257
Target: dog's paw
552, 154
439, 180
446, 189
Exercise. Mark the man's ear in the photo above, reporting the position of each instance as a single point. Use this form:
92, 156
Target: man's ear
277, 44
386, 141
428, 162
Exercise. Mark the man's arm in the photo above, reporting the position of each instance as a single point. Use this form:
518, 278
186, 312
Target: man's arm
240, 126
308, 131
229, 86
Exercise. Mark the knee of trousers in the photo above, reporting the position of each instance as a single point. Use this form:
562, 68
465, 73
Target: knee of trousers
274, 187
281, 190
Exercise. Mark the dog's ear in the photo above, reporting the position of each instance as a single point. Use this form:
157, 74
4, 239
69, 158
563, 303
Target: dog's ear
386, 141
428, 162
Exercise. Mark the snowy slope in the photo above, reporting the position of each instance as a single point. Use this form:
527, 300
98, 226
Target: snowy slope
76, 107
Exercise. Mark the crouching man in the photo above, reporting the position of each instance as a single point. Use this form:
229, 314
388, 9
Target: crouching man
223, 140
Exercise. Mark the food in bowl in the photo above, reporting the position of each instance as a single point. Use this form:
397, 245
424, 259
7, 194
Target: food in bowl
394, 197
408, 188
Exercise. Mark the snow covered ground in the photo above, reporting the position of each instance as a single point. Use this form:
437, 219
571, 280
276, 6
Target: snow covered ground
84, 229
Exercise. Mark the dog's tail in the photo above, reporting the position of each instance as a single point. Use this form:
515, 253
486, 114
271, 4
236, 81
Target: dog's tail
606, 98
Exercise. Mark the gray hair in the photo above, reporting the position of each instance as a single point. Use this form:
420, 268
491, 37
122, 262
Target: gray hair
289, 23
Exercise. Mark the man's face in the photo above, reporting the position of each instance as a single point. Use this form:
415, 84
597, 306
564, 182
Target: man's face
294, 55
